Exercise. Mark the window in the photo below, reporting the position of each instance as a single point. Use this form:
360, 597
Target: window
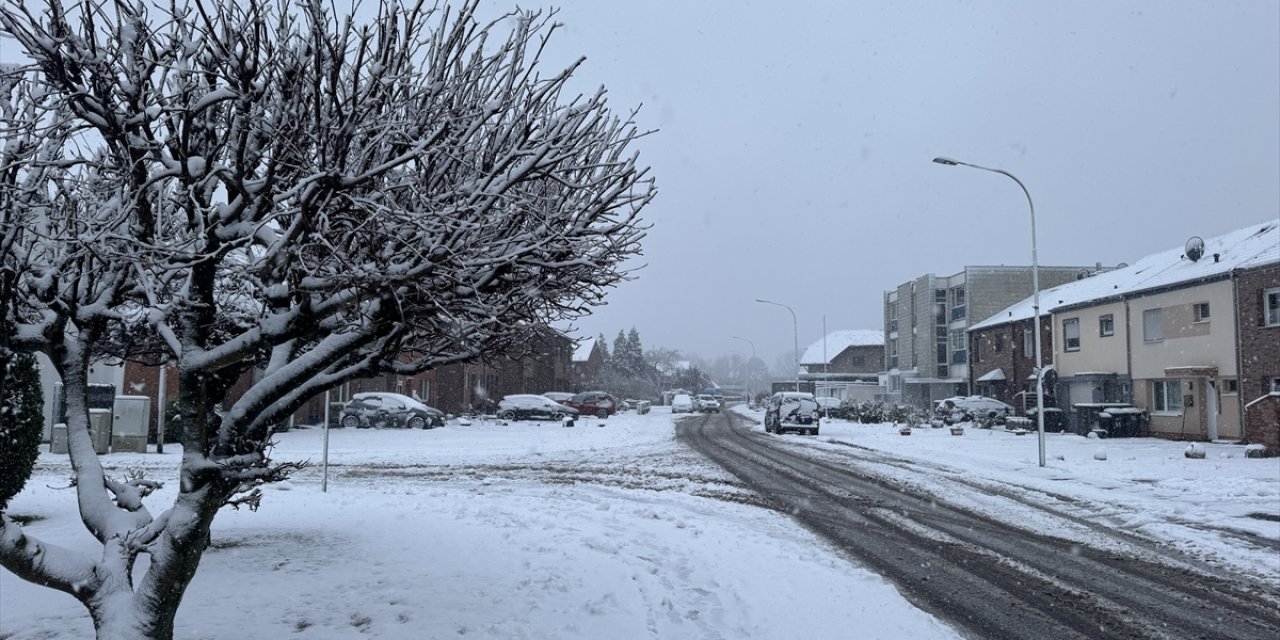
1166, 395
1027, 343
1106, 325
999, 346
1271, 310
943, 371
959, 346
893, 353
1230, 385
424, 390
1202, 311
957, 303
1275, 385
1071, 334
1153, 325
977, 348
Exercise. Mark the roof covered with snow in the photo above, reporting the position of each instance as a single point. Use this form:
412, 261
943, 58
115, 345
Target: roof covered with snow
1251, 246
582, 352
838, 341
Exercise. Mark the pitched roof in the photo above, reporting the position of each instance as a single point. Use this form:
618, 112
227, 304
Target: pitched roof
582, 352
1251, 246
838, 341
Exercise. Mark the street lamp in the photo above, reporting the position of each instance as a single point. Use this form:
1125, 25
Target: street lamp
1035, 301
795, 335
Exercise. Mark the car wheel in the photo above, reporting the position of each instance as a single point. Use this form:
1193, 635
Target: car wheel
508, 415
557, 416
352, 422
416, 422
602, 413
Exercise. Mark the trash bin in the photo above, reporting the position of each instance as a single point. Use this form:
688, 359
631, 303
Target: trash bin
58, 441
100, 429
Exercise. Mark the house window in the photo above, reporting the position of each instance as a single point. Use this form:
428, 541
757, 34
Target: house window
424, 390
943, 371
1153, 325
977, 348
1027, 343
1071, 334
999, 346
1275, 385
1202, 311
1106, 325
1271, 314
893, 353
1230, 386
1166, 395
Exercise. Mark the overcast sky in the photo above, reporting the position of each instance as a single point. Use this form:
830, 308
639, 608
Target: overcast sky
795, 142
794, 145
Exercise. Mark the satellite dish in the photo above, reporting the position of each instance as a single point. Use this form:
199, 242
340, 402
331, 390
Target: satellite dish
1194, 248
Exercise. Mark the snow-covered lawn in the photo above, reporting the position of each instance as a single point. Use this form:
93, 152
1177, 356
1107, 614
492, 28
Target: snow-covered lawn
533, 530
527, 530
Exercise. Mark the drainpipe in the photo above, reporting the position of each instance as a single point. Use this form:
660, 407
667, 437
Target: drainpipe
1128, 347
1235, 312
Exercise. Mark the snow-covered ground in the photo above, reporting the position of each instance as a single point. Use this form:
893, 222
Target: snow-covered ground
533, 530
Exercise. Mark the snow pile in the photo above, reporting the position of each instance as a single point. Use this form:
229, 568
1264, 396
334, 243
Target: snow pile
524, 530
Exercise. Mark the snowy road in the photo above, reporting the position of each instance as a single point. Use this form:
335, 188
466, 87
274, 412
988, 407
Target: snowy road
989, 578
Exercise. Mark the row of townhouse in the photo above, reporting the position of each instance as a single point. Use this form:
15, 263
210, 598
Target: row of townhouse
549, 361
1190, 335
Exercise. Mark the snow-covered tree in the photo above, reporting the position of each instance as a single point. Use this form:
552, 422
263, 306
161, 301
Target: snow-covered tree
255, 184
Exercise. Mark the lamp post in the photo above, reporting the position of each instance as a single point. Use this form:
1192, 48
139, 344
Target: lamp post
753, 357
1035, 301
795, 335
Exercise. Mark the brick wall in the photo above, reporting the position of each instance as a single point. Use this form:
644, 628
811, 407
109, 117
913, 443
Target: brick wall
1259, 356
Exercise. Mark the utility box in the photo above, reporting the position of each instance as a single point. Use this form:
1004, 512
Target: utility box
58, 441
100, 429
132, 417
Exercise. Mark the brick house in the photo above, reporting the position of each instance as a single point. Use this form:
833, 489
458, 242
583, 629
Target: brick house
588, 361
845, 363
1002, 361
1258, 317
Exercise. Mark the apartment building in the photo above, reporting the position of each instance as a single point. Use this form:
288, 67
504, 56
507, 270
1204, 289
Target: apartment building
926, 323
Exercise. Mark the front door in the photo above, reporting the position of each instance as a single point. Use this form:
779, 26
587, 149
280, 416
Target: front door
1211, 409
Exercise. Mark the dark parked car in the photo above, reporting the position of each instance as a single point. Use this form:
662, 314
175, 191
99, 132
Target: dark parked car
377, 409
593, 403
792, 411
533, 407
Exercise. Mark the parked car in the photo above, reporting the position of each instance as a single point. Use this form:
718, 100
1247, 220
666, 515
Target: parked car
379, 409
558, 396
970, 408
792, 411
707, 403
681, 403
593, 403
533, 407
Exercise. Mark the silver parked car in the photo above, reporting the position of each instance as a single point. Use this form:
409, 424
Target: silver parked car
533, 407
380, 409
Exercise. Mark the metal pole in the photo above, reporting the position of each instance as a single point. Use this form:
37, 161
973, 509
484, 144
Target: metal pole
826, 410
160, 407
1035, 300
324, 456
753, 357
795, 336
